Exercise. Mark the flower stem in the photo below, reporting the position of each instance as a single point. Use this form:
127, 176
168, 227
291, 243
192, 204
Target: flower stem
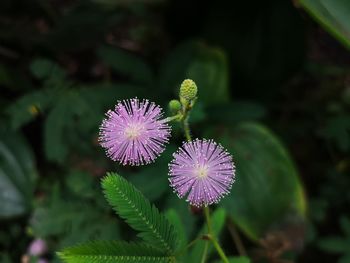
205, 251
173, 118
186, 128
212, 236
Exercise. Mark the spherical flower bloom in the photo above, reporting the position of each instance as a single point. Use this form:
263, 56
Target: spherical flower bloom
203, 171
134, 133
37, 247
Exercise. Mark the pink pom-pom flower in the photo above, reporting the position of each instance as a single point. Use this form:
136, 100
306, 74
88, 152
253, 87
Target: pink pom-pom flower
134, 133
202, 171
37, 247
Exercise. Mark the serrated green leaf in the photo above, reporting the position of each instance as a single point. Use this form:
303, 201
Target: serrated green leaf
126, 64
267, 190
217, 221
113, 251
137, 211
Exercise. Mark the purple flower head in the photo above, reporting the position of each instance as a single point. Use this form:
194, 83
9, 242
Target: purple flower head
37, 247
133, 133
203, 171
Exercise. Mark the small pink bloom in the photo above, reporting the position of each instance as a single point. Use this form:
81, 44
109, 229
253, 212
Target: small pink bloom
134, 133
203, 171
37, 247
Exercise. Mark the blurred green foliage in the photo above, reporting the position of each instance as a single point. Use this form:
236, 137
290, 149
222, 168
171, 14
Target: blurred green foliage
268, 186
273, 88
17, 175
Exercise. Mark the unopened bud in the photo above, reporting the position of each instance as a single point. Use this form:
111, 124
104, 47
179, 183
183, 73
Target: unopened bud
174, 106
188, 89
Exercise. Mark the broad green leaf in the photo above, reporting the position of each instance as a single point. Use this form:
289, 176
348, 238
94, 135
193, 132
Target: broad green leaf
131, 205
218, 218
126, 64
235, 112
267, 188
44, 68
55, 144
209, 69
28, 107
206, 65
332, 15
113, 251
17, 174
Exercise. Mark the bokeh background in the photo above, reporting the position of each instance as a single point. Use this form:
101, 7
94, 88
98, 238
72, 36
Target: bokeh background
274, 89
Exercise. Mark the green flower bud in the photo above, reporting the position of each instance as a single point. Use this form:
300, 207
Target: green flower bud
188, 89
174, 106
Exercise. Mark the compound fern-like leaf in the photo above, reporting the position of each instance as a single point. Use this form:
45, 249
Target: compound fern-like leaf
131, 205
114, 251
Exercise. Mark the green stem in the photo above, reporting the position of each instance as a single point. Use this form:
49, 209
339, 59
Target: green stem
187, 130
186, 127
173, 118
205, 251
212, 236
